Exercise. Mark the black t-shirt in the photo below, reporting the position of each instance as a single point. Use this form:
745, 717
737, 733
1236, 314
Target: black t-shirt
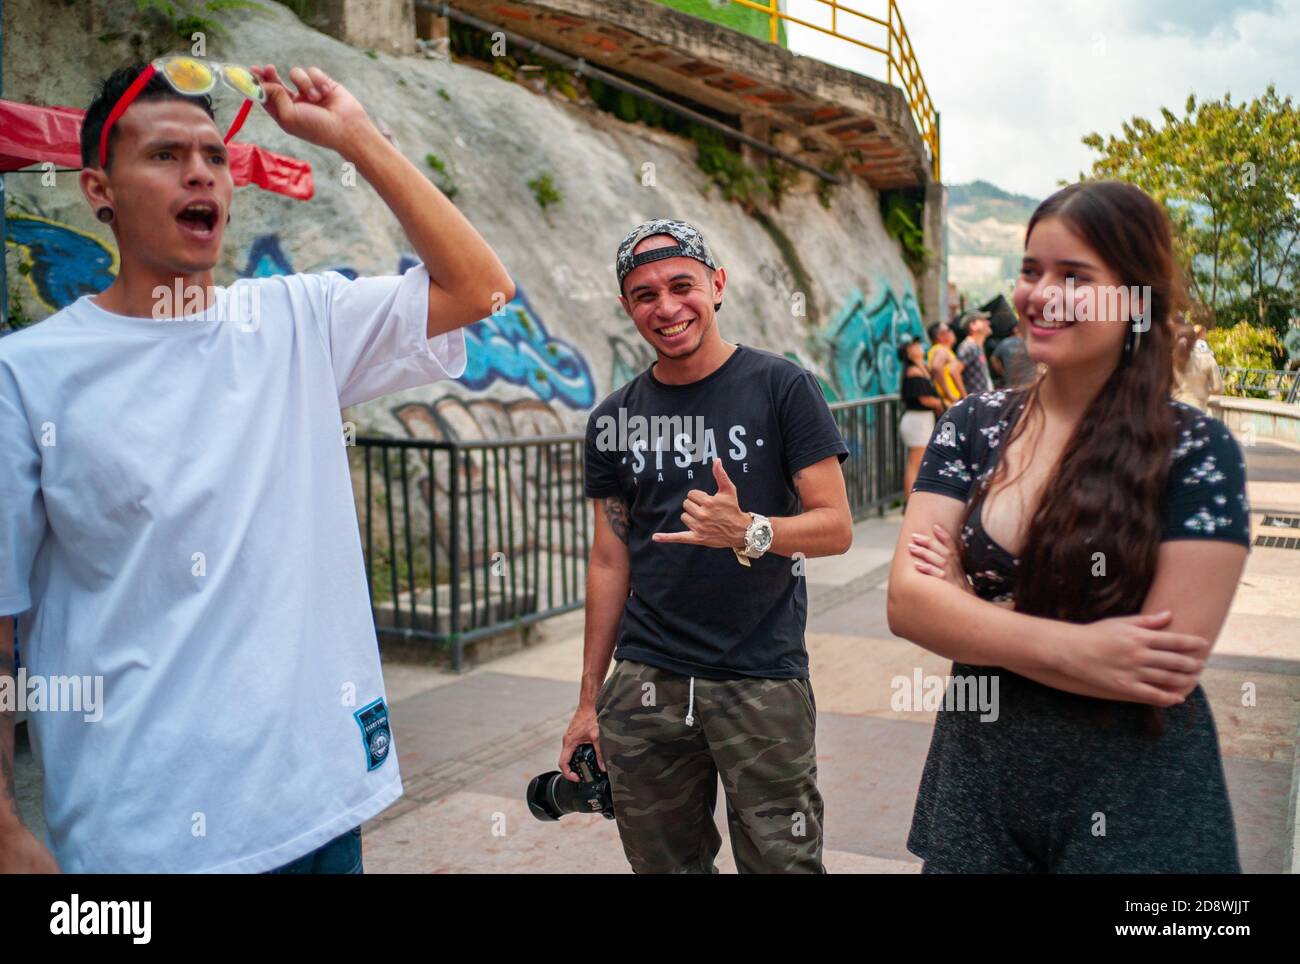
695, 610
915, 388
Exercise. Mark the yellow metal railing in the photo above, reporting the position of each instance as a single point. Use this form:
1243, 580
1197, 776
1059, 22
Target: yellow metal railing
900, 58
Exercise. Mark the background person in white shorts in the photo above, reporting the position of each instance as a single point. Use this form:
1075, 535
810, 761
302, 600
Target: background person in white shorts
921, 403
176, 511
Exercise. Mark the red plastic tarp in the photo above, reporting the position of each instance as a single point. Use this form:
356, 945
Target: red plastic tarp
32, 135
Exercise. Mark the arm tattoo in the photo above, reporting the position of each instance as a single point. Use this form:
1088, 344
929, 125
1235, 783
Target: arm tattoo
616, 512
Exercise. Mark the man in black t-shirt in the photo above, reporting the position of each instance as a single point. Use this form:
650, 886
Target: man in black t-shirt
714, 474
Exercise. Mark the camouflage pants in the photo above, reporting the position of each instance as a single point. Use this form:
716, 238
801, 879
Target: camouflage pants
756, 734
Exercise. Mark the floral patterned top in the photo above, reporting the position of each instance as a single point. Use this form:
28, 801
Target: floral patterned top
1207, 481
1008, 791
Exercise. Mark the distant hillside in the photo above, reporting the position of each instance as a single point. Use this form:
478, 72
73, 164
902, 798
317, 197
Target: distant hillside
985, 237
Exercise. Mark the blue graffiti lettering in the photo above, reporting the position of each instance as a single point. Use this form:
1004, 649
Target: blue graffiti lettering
864, 342
65, 262
515, 345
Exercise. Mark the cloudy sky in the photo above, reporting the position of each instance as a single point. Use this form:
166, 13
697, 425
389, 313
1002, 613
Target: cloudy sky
1019, 82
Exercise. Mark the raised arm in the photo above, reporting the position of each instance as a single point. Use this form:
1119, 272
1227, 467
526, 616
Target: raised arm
466, 279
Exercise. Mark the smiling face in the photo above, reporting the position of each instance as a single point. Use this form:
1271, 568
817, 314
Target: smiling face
1073, 308
169, 185
671, 301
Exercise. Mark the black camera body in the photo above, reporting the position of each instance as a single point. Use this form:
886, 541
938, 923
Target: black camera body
550, 796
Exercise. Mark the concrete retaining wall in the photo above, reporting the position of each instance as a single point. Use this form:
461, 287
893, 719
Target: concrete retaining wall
1253, 418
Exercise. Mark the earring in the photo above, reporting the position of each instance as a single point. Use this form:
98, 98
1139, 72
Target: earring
1131, 342
105, 214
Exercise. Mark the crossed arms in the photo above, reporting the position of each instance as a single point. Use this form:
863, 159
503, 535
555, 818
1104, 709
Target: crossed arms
1154, 657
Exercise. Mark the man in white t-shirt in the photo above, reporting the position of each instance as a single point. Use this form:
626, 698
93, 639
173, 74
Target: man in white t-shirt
177, 523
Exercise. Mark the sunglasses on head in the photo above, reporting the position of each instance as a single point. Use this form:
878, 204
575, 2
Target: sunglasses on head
191, 76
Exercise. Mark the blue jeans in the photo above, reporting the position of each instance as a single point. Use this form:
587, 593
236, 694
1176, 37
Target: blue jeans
342, 855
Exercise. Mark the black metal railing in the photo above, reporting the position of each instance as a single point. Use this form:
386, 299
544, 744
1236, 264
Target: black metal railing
1282, 386
873, 472
464, 540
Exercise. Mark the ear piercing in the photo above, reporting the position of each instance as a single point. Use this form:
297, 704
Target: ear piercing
105, 214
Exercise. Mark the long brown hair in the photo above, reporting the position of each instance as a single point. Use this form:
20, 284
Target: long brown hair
1108, 493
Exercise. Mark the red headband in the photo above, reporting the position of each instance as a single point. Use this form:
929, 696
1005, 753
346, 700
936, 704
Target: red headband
131, 93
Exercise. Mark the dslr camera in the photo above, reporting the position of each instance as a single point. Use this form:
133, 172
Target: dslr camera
550, 796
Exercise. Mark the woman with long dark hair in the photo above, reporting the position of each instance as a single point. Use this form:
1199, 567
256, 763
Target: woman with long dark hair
1074, 547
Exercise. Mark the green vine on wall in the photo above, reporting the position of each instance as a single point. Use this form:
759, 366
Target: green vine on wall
902, 212
162, 26
442, 175
716, 155
545, 193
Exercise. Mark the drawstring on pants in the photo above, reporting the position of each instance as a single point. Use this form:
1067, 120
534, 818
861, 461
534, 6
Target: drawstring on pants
690, 706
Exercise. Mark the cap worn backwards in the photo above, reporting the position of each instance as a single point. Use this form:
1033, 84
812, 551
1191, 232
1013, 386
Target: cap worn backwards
690, 244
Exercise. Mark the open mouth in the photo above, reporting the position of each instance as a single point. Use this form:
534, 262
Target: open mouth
672, 331
198, 219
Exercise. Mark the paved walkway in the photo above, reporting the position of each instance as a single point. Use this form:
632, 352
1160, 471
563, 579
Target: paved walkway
469, 744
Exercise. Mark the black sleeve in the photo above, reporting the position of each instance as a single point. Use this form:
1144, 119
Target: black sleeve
808, 430
1207, 484
946, 465
601, 459
915, 387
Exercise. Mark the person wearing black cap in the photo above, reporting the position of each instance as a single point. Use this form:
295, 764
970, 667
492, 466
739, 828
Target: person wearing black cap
704, 513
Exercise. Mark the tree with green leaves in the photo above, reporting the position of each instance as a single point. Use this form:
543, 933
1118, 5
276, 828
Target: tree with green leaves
1229, 176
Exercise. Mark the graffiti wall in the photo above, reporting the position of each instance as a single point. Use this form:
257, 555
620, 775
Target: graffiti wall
824, 285
864, 342
60, 263
854, 356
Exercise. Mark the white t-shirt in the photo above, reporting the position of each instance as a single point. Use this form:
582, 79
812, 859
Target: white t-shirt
177, 516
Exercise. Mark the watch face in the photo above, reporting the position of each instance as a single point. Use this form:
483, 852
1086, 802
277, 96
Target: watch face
762, 536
